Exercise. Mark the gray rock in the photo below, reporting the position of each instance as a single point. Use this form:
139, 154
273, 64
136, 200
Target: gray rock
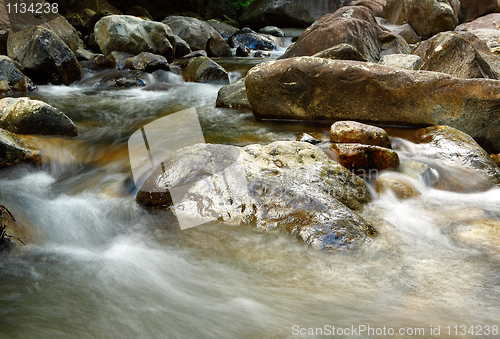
405, 61
292, 186
205, 70
181, 47
10, 72
195, 54
253, 40
224, 29
26, 116
242, 51
44, 56
13, 151
133, 35
114, 59
124, 79
195, 32
272, 30
341, 52
304, 137
218, 47
233, 95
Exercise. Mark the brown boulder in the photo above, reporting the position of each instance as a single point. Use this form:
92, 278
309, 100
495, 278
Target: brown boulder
351, 25
147, 62
308, 88
472, 9
355, 132
486, 28
363, 160
341, 52
404, 30
427, 17
460, 54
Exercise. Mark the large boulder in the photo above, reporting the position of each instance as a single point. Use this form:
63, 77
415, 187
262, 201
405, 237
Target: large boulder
287, 13
225, 30
341, 52
26, 116
460, 54
13, 151
10, 73
44, 56
404, 30
133, 35
308, 88
351, 25
284, 186
427, 17
195, 32
52, 21
472, 9
205, 70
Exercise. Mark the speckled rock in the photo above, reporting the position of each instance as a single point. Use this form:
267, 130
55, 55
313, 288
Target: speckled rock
13, 151
26, 116
292, 186
355, 132
133, 35
405, 61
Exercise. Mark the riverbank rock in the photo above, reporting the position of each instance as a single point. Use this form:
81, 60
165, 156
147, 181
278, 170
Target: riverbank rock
205, 70
218, 47
288, 13
460, 54
455, 148
290, 186
147, 62
406, 61
355, 26
308, 88
253, 40
355, 132
196, 33
13, 151
363, 159
14, 79
233, 96
181, 48
472, 9
272, 30
426, 17
26, 116
133, 35
44, 56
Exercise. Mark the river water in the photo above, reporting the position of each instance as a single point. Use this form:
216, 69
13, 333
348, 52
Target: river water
98, 266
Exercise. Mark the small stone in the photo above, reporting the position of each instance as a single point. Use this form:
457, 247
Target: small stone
304, 137
355, 132
401, 188
364, 159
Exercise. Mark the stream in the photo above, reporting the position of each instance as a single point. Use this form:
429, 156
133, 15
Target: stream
97, 265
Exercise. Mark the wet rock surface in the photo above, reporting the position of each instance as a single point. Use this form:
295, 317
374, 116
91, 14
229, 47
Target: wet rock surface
12, 76
362, 159
308, 88
253, 40
26, 116
13, 151
147, 62
277, 176
233, 96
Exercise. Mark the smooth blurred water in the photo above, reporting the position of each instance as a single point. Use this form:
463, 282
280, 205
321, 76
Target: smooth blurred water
99, 266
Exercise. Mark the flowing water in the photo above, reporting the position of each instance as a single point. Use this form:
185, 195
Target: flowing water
98, 266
